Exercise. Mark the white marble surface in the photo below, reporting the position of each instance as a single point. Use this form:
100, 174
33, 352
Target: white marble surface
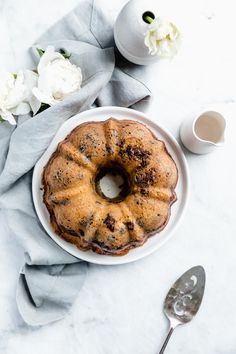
119, 310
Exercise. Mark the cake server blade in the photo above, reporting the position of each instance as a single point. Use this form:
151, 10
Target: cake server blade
184, 299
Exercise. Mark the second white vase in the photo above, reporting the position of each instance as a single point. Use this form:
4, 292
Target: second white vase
129, 31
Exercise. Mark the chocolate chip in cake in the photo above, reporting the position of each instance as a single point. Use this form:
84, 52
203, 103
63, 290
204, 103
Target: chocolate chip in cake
129, 225
57, 175
97, 232
63, 202
89, 156
69, 158
134, 153
100, 244
109, 150
66, 181
144, 192
81, 147
69, 231
110, 222
121, 143
81, 232
86, 220
147, 178
89, 137
83, 222
140, 222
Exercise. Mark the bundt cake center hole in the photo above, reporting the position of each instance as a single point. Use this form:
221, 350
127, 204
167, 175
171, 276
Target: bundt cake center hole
112, 183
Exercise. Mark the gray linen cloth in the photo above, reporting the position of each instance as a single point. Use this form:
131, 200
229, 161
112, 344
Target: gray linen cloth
51, 278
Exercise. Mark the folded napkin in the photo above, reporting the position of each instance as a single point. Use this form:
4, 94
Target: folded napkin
51, 278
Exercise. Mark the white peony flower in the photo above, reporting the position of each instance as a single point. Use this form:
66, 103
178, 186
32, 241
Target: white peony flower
58, 77
31, 81
16, 94
162, 38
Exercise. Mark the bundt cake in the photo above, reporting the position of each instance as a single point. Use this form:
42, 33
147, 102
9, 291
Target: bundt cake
79, 211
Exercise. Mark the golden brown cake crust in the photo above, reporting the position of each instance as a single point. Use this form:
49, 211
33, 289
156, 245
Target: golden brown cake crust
80, 214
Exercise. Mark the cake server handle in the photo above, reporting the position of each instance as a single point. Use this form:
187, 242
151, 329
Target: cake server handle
171, 330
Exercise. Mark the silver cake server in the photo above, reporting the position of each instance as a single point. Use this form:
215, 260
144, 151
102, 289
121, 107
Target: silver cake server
184, 299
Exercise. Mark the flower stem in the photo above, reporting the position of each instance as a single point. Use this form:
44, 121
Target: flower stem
149, 19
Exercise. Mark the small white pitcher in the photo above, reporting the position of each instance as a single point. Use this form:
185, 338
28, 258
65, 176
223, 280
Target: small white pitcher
203, 134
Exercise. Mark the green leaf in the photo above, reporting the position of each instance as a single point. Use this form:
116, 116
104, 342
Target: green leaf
64, 53
67, 56
43, 107
40, 51
1, 119
15, 76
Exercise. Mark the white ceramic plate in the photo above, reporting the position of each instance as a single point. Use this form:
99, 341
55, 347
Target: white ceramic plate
177, 209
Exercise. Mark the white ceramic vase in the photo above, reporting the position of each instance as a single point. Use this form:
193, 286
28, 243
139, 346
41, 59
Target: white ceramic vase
129, 31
